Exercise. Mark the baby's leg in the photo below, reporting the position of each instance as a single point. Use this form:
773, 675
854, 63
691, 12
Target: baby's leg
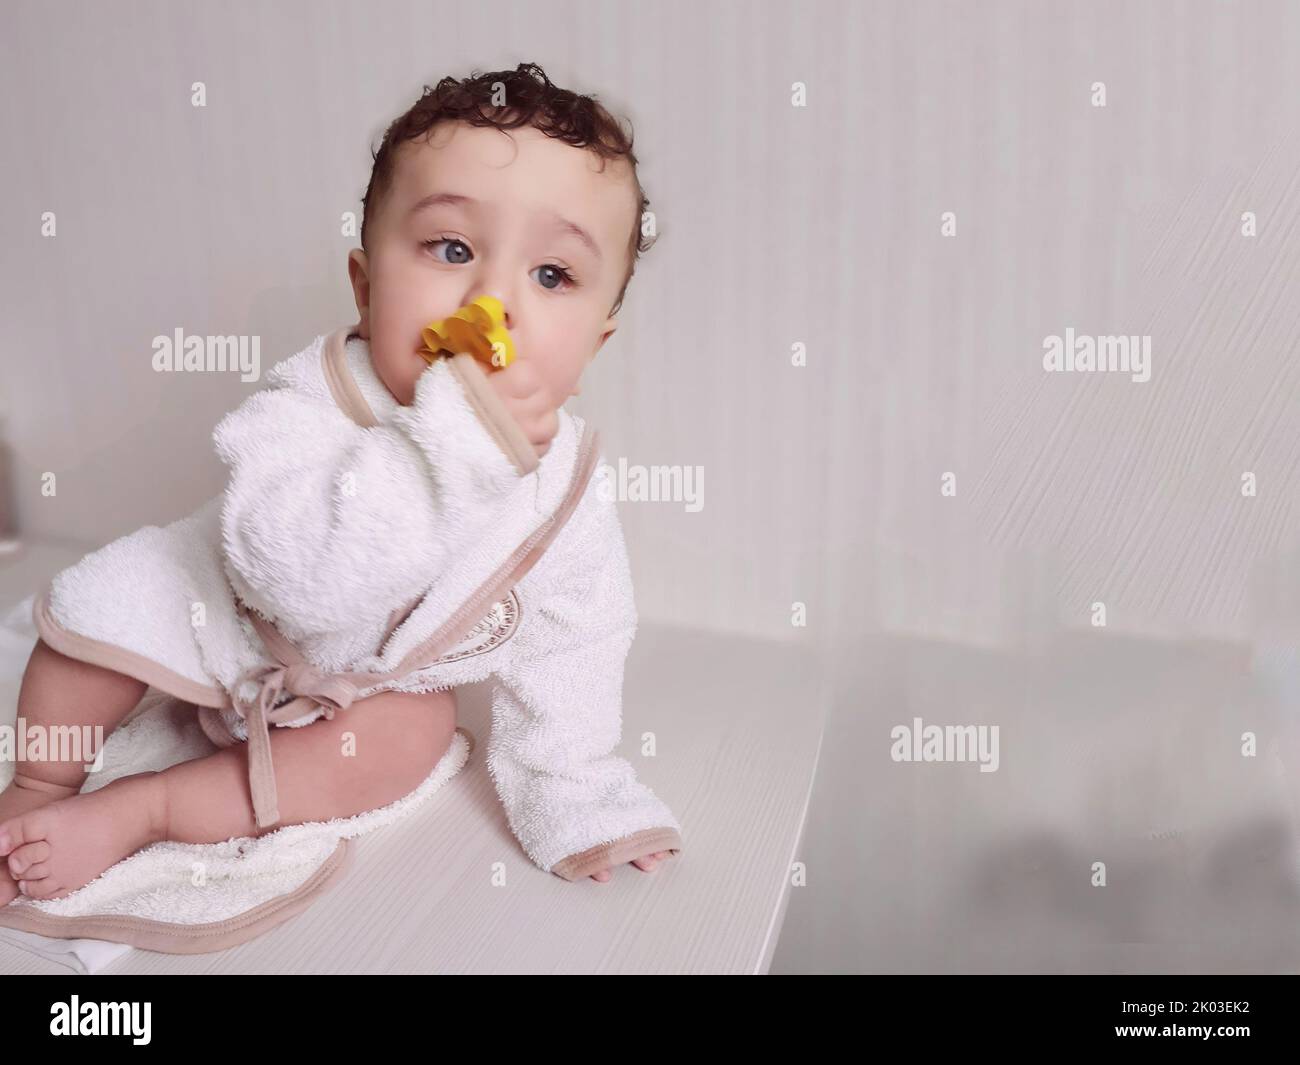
61, 691
371, 754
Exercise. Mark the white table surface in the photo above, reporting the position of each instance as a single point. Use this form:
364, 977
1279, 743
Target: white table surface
738, 726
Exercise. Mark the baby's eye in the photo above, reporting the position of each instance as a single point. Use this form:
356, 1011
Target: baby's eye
557, 274
450, 240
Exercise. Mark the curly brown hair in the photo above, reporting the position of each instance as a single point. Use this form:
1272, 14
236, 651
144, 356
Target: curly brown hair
532, 100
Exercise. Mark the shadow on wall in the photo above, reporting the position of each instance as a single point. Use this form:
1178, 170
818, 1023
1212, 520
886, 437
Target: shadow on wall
1144, 814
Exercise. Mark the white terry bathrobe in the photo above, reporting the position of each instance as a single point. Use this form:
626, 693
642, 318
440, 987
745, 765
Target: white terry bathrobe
362, 546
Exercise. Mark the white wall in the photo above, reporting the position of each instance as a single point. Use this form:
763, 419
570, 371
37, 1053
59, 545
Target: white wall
778, 225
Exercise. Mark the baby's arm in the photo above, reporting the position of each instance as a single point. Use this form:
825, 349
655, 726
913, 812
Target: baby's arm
576, 808
321, 515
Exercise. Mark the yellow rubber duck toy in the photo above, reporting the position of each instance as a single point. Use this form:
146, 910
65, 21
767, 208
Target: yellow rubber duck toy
477, 328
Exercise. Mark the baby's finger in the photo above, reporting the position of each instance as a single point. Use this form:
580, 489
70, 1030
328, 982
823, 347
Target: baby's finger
602, 876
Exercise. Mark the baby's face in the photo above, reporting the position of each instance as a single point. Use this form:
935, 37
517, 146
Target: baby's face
474, 212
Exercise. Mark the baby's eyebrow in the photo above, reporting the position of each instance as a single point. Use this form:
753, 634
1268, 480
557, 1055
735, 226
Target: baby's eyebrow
564, 225
451, 199
557, 220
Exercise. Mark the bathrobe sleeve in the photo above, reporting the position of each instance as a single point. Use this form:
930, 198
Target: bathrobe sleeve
574, 805
329, 523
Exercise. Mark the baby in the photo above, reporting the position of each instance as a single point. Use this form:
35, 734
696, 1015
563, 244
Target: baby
381, 501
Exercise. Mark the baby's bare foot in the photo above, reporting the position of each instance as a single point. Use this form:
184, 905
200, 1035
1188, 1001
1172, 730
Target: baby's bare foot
14, 801
53, 850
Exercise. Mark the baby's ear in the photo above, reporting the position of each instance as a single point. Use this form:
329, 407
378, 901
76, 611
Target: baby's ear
358, 275
613, 328
357, 261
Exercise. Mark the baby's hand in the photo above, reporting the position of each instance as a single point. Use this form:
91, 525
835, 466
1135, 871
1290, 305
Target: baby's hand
646, 865
525, 395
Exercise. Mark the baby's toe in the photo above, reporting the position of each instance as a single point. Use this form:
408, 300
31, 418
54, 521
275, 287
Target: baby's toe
22, 860
20, 830
45, 888
37, 872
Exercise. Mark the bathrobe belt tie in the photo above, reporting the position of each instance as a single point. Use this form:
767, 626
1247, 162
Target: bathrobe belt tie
310, 688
